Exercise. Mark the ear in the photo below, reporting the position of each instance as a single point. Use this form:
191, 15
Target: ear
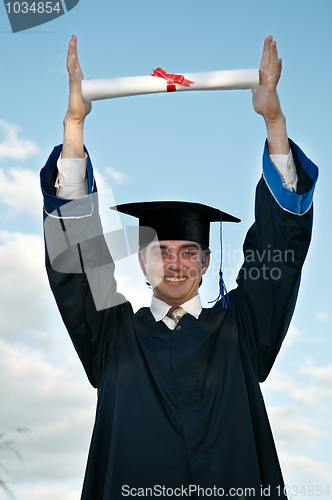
141, 262
206, 264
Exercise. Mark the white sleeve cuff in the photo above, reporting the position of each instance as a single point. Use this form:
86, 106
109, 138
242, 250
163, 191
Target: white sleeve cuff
71, 182
286, 167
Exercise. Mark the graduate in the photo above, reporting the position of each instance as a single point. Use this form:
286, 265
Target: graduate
180, 412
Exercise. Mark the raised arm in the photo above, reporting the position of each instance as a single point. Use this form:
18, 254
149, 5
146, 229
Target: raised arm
276, 245
78, 109
266, 101
79, 265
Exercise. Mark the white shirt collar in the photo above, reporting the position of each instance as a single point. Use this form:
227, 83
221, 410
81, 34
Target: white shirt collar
160, 308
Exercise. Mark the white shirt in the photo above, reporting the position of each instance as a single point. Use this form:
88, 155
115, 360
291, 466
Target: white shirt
159, 309
287, 170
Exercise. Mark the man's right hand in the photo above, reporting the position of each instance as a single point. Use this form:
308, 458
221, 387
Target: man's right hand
78, 109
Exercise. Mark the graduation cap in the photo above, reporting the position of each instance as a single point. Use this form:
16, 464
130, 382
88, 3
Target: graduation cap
178, 220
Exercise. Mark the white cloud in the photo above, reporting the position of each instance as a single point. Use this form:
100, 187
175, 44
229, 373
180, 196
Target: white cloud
318, 390
310, 394
290, 427
105, 181
13, 147
322, 316
280, 382
305, 395
61, 491
292, 336
25, 295
117, 176
321, 373
20, 191
303, 469
58, 410
101, 181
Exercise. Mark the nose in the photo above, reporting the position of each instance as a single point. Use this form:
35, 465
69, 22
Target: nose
174, 262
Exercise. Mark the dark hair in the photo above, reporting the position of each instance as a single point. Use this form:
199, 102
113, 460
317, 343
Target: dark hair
205, 253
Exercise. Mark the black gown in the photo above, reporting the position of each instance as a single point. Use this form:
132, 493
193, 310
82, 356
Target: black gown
182, 409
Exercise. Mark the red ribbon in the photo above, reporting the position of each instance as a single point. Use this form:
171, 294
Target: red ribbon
171, 80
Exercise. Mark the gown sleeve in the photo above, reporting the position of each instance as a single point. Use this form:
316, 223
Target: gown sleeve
81, 271
274, 251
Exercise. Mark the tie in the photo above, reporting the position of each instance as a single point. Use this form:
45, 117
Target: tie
176, 313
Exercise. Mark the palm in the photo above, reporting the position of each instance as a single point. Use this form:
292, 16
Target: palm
265, 98
77, 107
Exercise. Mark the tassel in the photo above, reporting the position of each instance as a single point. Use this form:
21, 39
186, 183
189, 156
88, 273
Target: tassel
223, 295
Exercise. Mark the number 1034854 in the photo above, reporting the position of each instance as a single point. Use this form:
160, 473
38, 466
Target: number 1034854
33, 7
308, 490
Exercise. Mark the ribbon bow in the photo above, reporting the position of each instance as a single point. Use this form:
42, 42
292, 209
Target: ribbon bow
171, 80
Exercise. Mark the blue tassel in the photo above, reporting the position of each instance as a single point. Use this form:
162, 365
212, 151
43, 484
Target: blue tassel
223, 295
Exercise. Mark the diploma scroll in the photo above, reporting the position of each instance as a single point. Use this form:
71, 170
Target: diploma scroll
160, 81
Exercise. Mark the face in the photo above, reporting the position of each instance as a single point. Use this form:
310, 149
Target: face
174, 269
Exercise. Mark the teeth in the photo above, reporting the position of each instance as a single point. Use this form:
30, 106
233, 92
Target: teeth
167, 278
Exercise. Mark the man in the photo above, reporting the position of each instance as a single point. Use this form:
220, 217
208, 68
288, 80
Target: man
180, 412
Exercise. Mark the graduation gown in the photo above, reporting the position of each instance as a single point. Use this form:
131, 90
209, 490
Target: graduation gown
180, 412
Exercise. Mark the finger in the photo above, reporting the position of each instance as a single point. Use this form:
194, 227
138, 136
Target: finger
74, 39
73, 44
72, 49
71, 65
70, 54
74, 78
275, 64
78, 69
274, 55
278, 69
266, 53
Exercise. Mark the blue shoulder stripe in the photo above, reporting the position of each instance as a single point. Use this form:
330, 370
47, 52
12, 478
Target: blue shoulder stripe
289, 201
56, 206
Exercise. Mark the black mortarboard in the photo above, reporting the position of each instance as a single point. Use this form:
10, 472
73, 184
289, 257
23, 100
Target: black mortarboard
175, 220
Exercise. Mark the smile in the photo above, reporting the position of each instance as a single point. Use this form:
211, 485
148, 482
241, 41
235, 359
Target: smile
167, 278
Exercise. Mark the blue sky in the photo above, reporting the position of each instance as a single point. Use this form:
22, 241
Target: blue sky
211, 143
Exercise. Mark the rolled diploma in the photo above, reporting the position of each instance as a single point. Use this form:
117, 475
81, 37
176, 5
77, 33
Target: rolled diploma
136, 85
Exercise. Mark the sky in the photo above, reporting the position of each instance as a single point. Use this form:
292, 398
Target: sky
192, 146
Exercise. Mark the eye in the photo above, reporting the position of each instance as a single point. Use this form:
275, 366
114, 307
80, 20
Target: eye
188, 253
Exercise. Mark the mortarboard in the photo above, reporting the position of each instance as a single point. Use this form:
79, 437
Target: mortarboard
175, 220
178, 220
